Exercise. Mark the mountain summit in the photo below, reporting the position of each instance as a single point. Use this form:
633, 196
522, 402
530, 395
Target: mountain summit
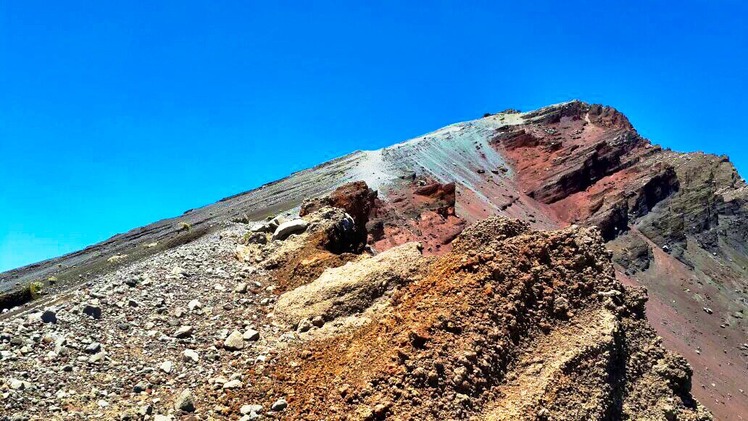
551, 264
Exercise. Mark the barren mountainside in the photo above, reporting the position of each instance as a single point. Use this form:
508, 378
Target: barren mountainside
552, 264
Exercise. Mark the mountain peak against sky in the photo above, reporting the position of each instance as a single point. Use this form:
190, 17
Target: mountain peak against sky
674, 222
111, 101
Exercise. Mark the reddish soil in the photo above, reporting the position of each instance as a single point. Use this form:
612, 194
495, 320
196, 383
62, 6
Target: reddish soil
503, 301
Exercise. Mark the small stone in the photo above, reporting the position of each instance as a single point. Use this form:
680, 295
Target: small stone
318, 321
145, 410
285, 229
16, 384
96, 358
241, 287
140, 387
185, 401
380, 410
279, 405
166, 366
234, 342
250, 409
49, 316
179, 272
304, 325
232, 384
251, 335
190, 355
93, 348
261, 227
92, 311
255, 238
183, 332
194, 304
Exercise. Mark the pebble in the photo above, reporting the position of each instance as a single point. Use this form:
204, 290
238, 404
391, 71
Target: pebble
16, 384
96, 358
93, 311
140, 387
304, 325
232, 384
145, 410
251, 335
251, 409
185, 401
93, 348
183, 332
234, 342
49, 316
279, 405
194, 304
190, 355
318, 321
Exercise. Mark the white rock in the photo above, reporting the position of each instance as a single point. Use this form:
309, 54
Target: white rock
279, 405
232, 384
234, 342
190, 355
16, 384
291, 227
251, 409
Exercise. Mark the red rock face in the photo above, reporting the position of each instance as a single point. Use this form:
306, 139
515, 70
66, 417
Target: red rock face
416, 210
585, 164
590, 166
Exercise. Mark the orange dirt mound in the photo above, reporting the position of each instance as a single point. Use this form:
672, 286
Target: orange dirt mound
511, 304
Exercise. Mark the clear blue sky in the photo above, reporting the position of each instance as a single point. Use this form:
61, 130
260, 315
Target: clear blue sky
117, 114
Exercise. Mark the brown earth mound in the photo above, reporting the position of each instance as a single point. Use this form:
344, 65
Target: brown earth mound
512, 324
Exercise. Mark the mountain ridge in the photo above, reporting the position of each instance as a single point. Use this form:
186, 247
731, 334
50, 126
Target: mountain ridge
673, 220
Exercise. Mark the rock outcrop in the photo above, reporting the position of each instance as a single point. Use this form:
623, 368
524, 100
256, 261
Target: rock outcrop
527, 325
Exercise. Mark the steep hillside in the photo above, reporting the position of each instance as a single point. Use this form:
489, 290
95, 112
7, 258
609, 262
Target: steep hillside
675, 223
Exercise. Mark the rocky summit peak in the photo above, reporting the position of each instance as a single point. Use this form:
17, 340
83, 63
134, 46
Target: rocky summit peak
550, 264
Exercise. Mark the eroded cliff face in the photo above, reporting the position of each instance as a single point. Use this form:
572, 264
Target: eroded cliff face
676, 222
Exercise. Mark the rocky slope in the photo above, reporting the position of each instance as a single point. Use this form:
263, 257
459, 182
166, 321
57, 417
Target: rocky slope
382, 291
